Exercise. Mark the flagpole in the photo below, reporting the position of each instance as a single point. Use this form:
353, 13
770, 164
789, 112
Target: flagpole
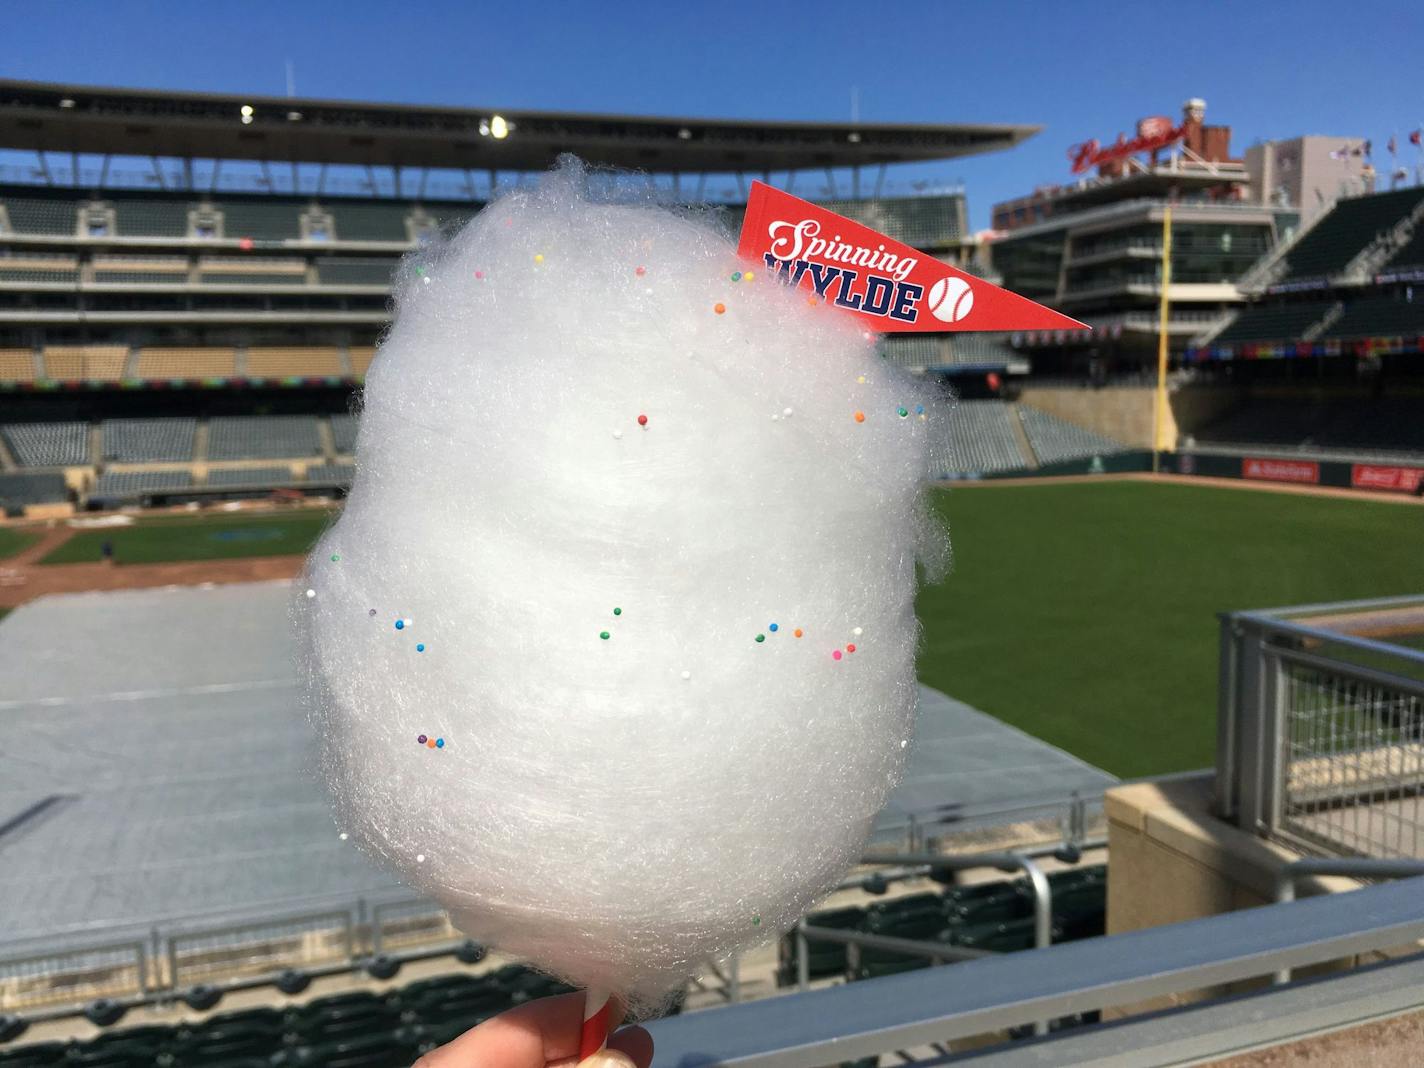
1159, 411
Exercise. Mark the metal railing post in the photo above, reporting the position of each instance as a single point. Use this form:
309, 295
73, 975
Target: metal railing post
734, 978
803, 963
1227, 718
1352, 867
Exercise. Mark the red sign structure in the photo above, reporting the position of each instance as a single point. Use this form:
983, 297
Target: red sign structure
1280, 470
1398, 479
890, 287
1153, 134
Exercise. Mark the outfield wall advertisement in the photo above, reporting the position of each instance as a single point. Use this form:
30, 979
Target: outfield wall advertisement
1385, 478
1377, 477
1268, 470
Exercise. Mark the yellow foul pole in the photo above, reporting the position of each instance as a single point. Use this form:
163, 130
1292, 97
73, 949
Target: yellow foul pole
1159, 409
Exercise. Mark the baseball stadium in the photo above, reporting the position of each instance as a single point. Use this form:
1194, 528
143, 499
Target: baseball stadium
1163, 799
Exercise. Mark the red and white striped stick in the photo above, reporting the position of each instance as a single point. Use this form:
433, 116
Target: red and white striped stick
597, 1012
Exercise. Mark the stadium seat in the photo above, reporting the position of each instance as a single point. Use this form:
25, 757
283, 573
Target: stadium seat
47, 444
981, 439
997, 902
36, 1055
370, 221
262, 437
361, 357
1055, 441
80, 363
167, 363
915, 917
234, 1039
343, 433
1272, 322
148, 440
262, 217
42, 215
233, 477
18, 365
1328, 246
310, 361
351, 271
144, 217
19, 490
1379, 316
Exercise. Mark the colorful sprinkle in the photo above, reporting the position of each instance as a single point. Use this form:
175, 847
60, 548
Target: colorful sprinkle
642, 420
604, 635
919, 409
439, 743
420, 858
773, 628
420, 270
786, 412
761, 637
430, 743
479, 276
902, 412
748, 276
756, 921
617, 434
861, 380
736, 276
857, 631
851, 647
640, 271
538, 257
836, 655
686, 675
371, 612
420, 647
400, 624
720, 309
311, 593
343, 836
618, 611
335, 558
812, 301
420, 739
797, 632
860, 417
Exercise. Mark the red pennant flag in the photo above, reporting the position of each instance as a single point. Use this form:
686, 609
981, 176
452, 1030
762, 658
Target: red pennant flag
889, 286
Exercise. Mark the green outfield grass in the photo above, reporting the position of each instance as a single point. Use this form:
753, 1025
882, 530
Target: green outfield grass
1086, 613
197, 537
13, 541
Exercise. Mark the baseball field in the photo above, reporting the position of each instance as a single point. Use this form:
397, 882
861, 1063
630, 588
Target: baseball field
1081, 612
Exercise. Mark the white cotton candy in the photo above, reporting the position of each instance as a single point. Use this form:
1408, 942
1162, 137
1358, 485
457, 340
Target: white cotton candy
618, 810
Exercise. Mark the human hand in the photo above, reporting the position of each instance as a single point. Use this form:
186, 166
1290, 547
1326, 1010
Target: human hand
541, 1034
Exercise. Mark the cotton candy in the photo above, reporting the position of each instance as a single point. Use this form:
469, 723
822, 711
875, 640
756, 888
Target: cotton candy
612, 649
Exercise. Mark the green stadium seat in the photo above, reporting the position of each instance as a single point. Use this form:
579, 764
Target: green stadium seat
114, 1055
35, 1055
389, 1050
1001, 901
233, 1039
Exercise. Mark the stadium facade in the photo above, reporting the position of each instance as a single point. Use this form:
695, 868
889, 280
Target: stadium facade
1094, 247
192, 285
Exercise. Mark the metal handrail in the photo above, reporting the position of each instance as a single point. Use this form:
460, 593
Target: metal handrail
986, 996
1353, 867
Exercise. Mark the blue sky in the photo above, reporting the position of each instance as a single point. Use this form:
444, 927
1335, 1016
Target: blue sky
1080, 70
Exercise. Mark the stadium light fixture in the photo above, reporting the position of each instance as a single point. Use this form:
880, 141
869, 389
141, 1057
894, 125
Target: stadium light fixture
484, 128
67, 102
853, 137
246, 112
499, 129
294, 116
684, 134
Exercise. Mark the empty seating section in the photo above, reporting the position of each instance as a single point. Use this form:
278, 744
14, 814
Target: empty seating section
1055, 441
41, 215
249, 476
148, 440
997, 917
980, 350
47, 444
1379, 317
915, 353
240, 270
1272, 322
18, 365
139, 483
296, 362
356, 1029
142, 217
341, 271
1360, 425
1350, 226
369, 221
38, 268
343, 433
85, 363
981, 439
361, 357
182, 362
19, 490
331, 474
149, 270
263, 218
262, 437
928, 221
1411, 255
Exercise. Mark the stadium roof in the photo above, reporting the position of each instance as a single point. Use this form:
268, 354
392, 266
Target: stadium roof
55, 117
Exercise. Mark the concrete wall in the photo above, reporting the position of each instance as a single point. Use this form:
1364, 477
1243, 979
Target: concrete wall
1124, 413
